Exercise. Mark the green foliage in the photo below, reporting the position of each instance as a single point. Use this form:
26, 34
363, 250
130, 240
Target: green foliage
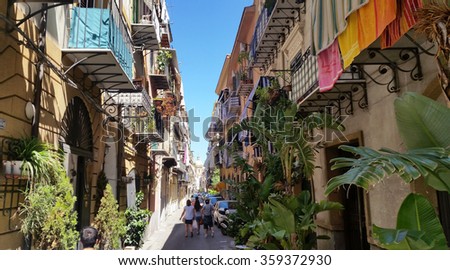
418, 227
59, 230
372, 167
41, 162
287, 222
136, 219
425, 118
242, 57
235, 224
162, 59
47, 212
36, 209
102, 181
48, 216
280, 126
215, 179
428, 155
213, 192
424, 126
109, 222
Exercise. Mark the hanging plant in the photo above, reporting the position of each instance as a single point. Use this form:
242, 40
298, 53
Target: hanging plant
163, 59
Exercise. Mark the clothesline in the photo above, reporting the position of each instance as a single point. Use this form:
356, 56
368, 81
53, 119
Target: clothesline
344, 28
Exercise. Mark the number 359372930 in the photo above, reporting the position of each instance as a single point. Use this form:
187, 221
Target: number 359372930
295, 260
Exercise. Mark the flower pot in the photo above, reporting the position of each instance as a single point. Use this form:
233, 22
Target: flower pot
7, 168
17, 170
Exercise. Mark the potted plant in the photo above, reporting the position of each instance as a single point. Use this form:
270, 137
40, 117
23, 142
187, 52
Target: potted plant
162, 59
136, 222
32, 159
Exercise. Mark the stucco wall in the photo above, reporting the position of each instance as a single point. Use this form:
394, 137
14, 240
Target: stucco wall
378, 127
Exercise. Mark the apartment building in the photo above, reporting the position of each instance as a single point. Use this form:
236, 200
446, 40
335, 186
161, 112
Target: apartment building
99, 80
296, 43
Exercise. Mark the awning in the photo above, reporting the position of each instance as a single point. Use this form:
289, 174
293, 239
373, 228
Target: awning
101, 67
169, 161
159, 81
263, 82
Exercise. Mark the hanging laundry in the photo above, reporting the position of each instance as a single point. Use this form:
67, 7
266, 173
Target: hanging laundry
403, 22
330, 67
373, 18
348, 41
329, 20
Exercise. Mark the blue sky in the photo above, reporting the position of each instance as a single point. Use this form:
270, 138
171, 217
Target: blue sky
203, 34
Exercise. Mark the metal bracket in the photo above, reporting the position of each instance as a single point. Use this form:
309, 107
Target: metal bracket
30, 14
390, 61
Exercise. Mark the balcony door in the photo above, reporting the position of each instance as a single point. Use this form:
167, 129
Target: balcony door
352, 219
76, 141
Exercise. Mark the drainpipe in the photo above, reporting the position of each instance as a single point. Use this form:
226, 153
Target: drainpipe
39, 72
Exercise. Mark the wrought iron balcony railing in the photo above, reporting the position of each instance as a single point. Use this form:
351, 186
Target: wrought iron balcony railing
272, 28
234, 105
146, 29
305, 78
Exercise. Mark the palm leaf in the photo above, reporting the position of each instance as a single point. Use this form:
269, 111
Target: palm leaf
373, 166
427, 119
283, 218
418, 227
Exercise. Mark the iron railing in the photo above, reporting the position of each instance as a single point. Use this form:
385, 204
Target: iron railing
102, 26
304, 75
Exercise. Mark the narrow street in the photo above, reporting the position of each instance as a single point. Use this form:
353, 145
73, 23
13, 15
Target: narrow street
170, 236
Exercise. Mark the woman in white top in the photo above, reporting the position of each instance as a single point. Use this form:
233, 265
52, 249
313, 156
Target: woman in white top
189, 215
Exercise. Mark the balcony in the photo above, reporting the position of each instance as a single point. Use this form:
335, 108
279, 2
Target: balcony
148, 129
243, 83
180, 167
160, 148
263, 82
162, 74
146, 32
272, 28
349, 90
166, 33
234, 105
100, 46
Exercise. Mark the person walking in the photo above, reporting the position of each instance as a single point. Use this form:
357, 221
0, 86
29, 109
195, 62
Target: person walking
189, 214
198, 213
207, 212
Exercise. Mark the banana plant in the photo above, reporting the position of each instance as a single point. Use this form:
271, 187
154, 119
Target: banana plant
288, 222
418, 227
424, 127
280, 126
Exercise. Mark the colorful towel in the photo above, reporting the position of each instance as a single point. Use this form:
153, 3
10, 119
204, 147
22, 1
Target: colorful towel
402, 23
348, 40
330, 68
329, 20
373, 18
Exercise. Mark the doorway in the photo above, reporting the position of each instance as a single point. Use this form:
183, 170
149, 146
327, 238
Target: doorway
76, 141
82, 192
353, 218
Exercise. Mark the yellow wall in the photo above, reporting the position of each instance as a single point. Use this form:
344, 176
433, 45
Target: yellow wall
17, 74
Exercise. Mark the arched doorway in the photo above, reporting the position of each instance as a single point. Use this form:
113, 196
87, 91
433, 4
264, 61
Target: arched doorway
76, 141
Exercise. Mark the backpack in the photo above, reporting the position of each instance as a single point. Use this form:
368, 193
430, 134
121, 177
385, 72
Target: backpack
207, 210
